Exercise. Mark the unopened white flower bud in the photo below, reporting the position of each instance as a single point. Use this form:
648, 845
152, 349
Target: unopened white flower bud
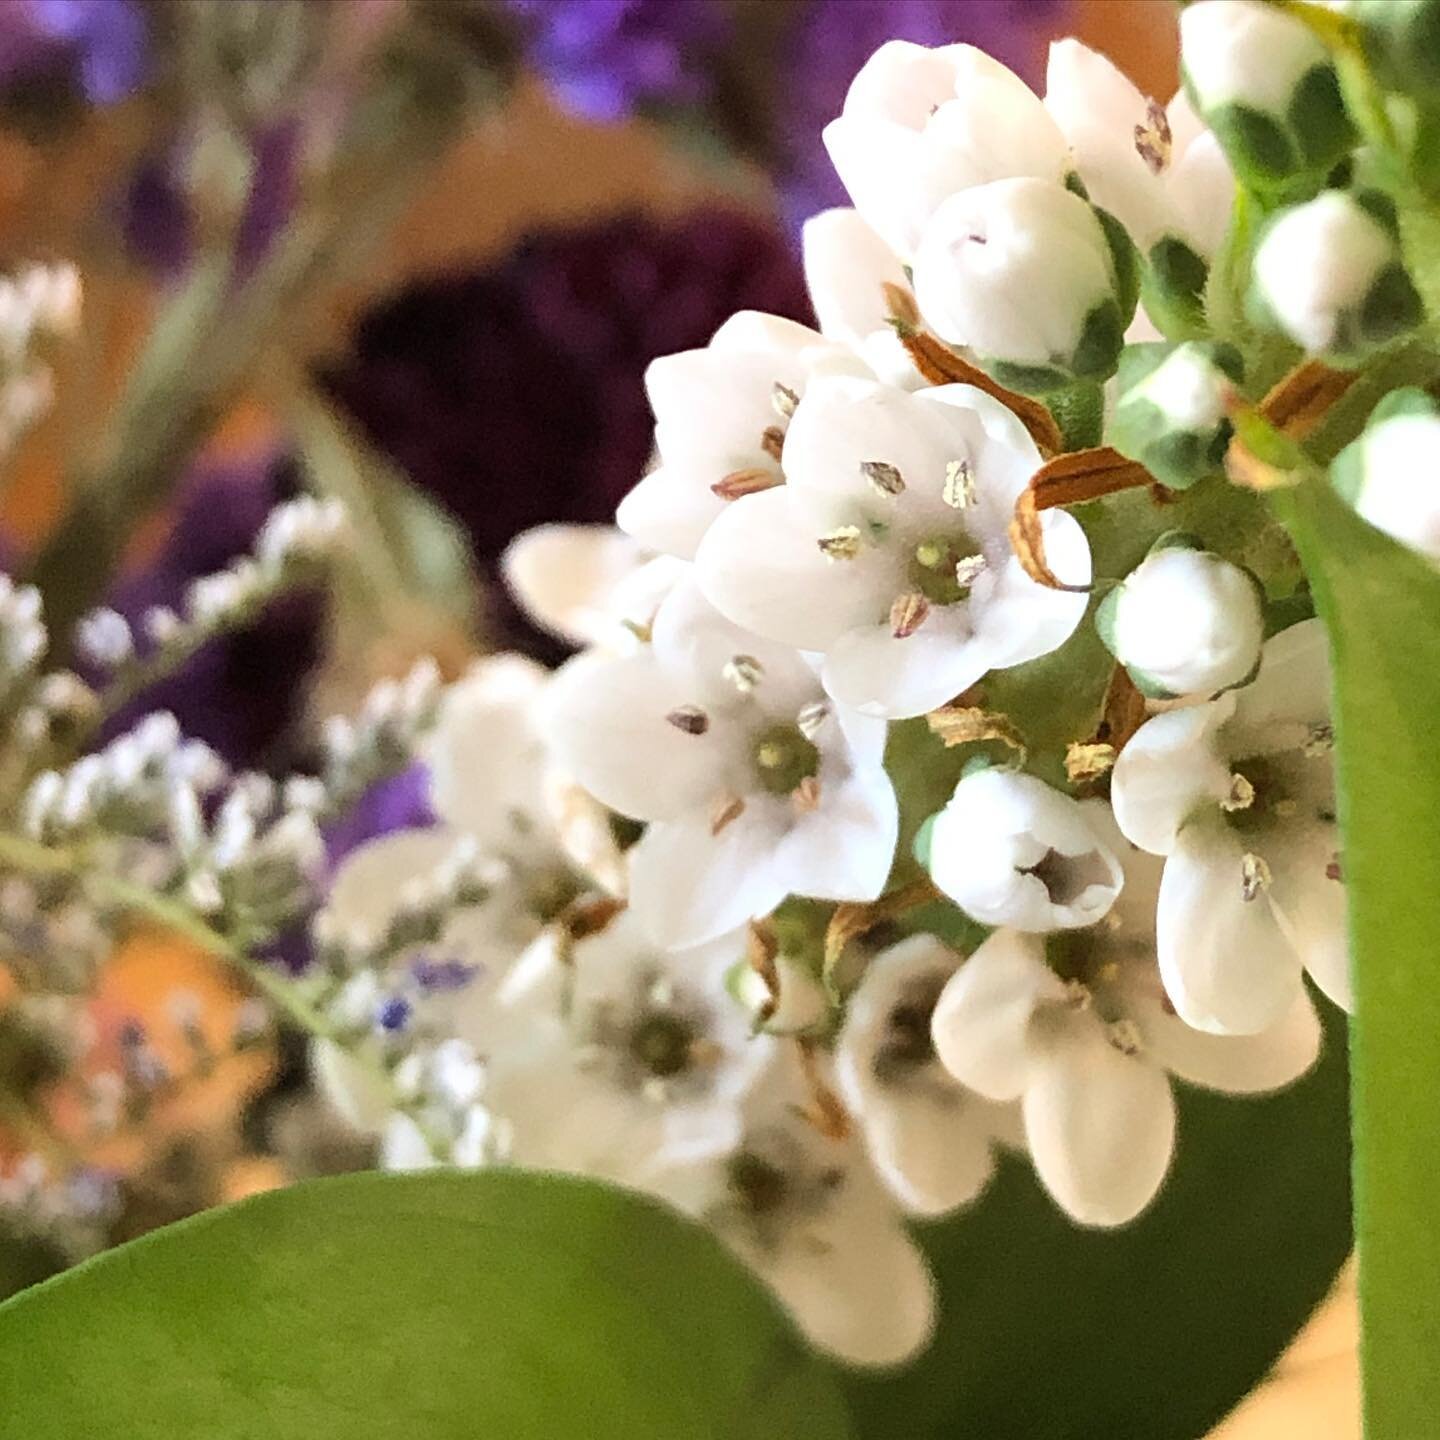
1009, 850
1391, 474
1185, 622
1265, 85
1024, 273
1329, 274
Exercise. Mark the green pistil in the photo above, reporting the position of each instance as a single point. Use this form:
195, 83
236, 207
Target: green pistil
783, 757
662, 1044
932, 568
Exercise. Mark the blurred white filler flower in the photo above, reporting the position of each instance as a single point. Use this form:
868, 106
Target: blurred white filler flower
1239, 794
1399, 480
887, 548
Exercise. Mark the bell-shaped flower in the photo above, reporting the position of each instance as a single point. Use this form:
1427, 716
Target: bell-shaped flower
1185, 622
752, 784
858, 286
1391, 474
1329, 274
1024, 273
612, 1058
1010, 850
1266, 86
587, 584
798, 1201
721, 416
919, 125
1077, 1028
1239, 794
930, 1139
887, 549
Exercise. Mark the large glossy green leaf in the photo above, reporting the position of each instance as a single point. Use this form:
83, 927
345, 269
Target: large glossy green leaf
1051, 1332
443, 1306
1381, 605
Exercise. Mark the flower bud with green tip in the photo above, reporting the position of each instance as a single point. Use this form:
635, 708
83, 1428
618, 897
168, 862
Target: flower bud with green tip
1329, 274
1184, 621
1037, 282
1171, 411
1267, 88
1391, 474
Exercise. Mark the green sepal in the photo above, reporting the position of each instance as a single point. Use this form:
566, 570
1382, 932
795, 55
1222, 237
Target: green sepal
974, 765
1027, 379
1075, 185
1289, 610
1177, 540
1318, 122
1102, 337
1126, 259
1105, 618
1148, 686
1263, 158
1172, 288
924, 838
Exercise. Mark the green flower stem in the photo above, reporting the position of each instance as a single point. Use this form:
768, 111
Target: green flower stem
1380, 603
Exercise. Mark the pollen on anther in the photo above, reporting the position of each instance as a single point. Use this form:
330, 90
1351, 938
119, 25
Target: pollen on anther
1255, 876
969, 569
1241, 795
744, 672
884, 479
784, 399
959, 490
811, 717
1153, 140
908, 614
772, 441
842, 543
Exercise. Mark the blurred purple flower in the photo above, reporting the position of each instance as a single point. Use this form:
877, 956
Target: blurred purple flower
515, 395
605, 59
101, 42
832, 39
400, 803
243, 692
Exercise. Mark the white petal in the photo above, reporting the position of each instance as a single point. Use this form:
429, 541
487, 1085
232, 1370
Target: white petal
370, 883
872, 671
1101, 1127
1237, 1064
563, 576
1312, 906
844, 848
1226, 962
760, 564
605, 719
846, 267
1170, 768
1293, 683
688, 885
671, 508
1019, 620
981, 1027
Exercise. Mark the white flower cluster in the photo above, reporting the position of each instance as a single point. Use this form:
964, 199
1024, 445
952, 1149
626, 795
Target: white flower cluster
40, 303
658, 980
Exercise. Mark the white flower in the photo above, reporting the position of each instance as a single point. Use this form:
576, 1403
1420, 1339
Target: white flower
856, 285
887, 548
1239, 794
920, 125
1077, 1029
1009, 850
721, 416
1157, 169
1187, 622
615, 1059
805, 1211
1021, 272
930, 1139
1398, 489
753, 785
1246, 52
1328, 272
587, 584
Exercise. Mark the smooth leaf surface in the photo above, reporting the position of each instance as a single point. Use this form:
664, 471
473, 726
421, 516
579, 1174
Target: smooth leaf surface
1381, 605
519, 1307
1052, 1332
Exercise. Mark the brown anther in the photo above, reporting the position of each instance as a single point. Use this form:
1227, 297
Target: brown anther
806, 795
739, 483
784, 399
908, 614
744, 672
1153, 141
727, 809
1124, 1035
762, 950
884, 479
1333, 870
826, 1112
1255, 876
841, 543
772, 441
811, 718
956, 724
959, 490
690, 719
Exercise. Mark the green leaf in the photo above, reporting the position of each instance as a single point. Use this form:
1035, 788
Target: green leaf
1381, 606
445, 1306
1052, 1332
